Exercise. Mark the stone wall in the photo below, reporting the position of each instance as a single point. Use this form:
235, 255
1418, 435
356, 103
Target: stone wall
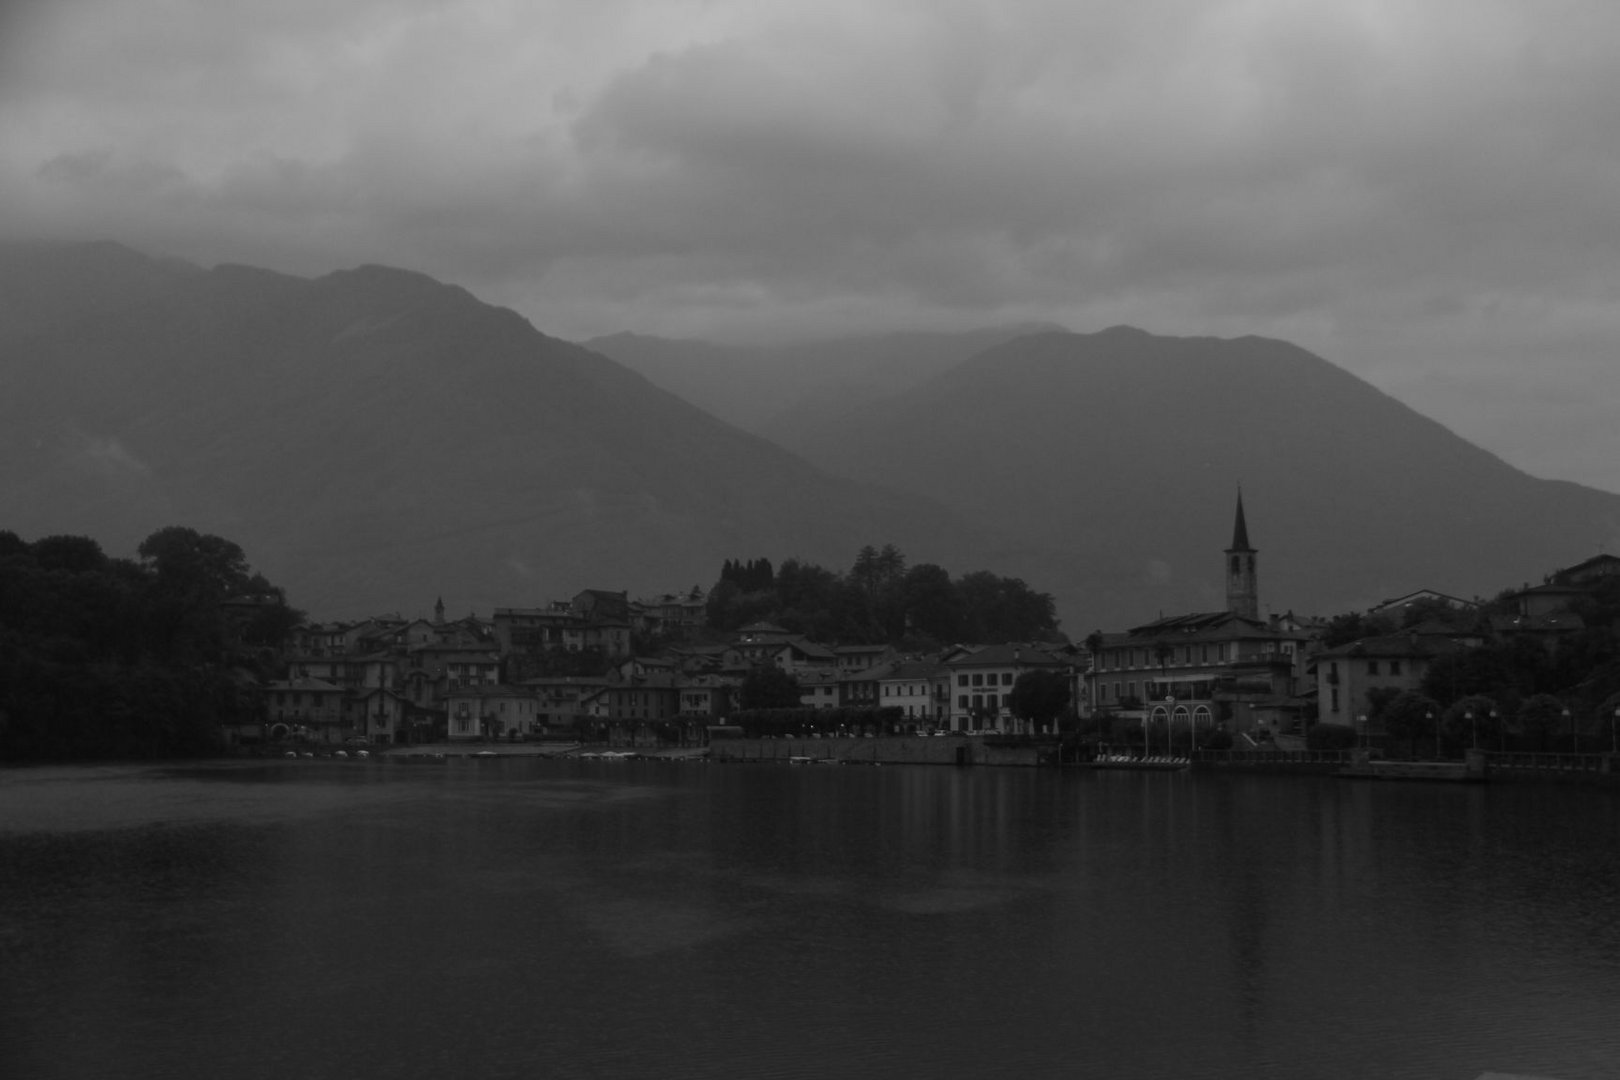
886, 750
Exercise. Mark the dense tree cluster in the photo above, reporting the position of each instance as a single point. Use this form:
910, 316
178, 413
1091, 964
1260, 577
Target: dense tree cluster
1355, 625
750, 576
1039, 696
118, 658
881, 600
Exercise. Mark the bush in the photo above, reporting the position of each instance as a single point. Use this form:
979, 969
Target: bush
1325, 736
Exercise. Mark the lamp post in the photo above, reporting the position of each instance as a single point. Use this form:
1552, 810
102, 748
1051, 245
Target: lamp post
1169, 728
1614, 741
1501, 739
1473, 727
1361, 729
1428, 714
1574, 739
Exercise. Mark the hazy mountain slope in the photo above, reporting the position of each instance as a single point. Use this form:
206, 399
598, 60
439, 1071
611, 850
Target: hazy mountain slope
374, 439
1124, 450
784, 388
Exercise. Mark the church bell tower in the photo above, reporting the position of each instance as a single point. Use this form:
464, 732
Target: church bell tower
1242, 580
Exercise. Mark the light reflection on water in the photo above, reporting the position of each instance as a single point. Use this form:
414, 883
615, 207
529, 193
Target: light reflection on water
525, 918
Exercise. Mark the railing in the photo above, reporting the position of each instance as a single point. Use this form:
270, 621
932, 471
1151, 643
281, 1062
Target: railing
1566, 762
1272, 757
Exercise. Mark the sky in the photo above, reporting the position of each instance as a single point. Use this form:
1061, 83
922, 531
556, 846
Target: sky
1424, 193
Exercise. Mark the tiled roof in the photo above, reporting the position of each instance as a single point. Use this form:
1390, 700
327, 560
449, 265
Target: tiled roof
913, 670
1007, 656
312, 685
1203, 626
1393, 646
500, 690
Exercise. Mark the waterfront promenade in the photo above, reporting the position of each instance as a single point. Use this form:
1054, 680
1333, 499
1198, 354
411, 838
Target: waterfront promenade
1495, 766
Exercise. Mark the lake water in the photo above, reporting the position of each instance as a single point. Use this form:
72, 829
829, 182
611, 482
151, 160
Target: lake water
531, 918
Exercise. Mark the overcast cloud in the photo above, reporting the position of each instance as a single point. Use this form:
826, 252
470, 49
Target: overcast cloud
1422, 192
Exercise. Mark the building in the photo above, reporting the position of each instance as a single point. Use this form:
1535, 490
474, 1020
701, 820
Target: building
1348, 674
982, 677
1186, 673
306, 708
920, 689
490, 711
852, 658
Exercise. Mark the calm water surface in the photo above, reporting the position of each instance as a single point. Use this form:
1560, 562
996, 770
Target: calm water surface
595, 919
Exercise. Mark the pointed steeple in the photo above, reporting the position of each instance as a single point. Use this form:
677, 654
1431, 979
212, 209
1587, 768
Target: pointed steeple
1242, 573
1240, 528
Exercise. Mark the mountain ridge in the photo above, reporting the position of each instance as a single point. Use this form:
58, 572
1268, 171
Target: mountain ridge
1148, 437
371, 435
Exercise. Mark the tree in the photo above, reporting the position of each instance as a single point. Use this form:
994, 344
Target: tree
999, 609
1353, 626
767, 686
109, 658
1502, 672
1539, 716
932, 606
1410, 716
1471, 718
1039, 697
192, 574
190, 562
1608, 715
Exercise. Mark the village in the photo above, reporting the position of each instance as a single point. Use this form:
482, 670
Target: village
1206, 679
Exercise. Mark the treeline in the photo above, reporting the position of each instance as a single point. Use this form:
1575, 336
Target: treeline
881, 600
131, 658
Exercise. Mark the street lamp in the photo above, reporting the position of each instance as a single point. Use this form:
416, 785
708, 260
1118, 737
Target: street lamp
1428, 714
1574, 739
1468, 714
1361, 729
1169, 714
1501, 739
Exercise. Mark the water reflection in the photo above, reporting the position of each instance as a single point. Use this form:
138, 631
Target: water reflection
586, 919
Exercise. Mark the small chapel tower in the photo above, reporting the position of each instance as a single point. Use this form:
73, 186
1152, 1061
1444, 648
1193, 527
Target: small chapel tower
1242, 580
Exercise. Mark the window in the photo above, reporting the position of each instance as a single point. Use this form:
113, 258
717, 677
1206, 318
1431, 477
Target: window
1006, 678
1335, 699
978, 678
978, 701
961, 701
1394, 667
1372, 667
961, 680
